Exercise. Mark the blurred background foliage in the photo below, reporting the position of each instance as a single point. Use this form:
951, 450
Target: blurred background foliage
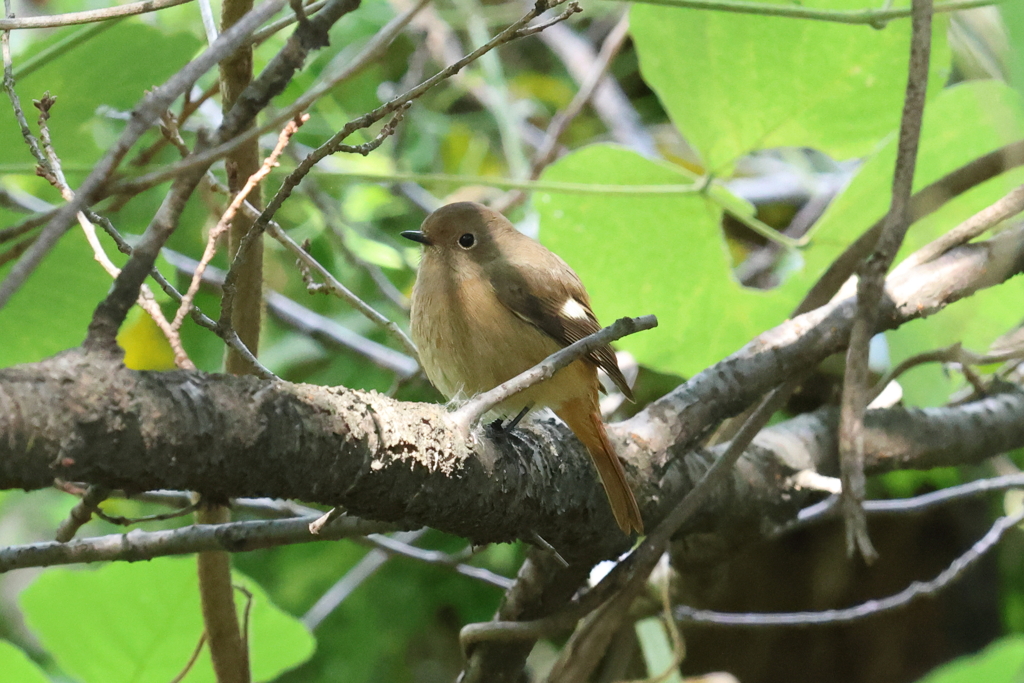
785, 115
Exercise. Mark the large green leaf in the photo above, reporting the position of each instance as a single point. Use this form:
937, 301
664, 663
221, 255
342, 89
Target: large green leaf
1000, 662
141, 622
733, 83
674, 264
17, 667
52, 310
661, 254
107, 72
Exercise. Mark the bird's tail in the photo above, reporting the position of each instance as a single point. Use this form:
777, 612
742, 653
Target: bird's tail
585, 422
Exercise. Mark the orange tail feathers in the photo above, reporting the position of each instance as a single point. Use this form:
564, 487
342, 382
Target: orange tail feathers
585, 422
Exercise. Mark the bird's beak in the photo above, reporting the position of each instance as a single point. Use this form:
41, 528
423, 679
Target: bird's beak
416, 236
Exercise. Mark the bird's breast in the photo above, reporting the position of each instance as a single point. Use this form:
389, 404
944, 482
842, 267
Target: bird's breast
469, 343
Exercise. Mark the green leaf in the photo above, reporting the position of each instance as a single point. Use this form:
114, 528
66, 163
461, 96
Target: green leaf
52, 310
672, 264
735, 83
1000, 662
115, 78
17, 667
657, 649
141, 622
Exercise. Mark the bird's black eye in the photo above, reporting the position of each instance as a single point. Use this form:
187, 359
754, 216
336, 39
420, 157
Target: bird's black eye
467, 240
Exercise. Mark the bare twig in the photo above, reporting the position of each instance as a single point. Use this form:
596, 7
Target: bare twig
132, 521
342, 291
191, 660
144, 545
876, 18
89, 16
915, 590
81, 513
50, 169
435, 557
19, 113
205, 158
307, 321
329, 210
1007, 207
560, 122
480, 404
225, 222
300, 172
871, 282
951, 354
270, 29
827, 508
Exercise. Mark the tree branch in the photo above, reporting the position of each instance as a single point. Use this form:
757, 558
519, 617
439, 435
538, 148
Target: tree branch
89, 16
83, 417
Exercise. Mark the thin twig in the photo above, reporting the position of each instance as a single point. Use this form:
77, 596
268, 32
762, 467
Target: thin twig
876, 18
170, 131
19, 113
309, 322
145, 545
545, 154
293, 179
225, 222
1007, 207
826, 509
205, 158
163, 516
951, 354
482, 403
915, 590
329, 210
81, 513
436, 557
270, 29
870, 285
342, 291
191, 660
352, 579
148, 110
50, 169
88, 16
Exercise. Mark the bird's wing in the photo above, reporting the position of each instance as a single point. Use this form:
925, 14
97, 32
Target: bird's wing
552, 298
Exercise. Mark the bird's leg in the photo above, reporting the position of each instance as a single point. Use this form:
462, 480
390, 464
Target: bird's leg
507, 428
539, 540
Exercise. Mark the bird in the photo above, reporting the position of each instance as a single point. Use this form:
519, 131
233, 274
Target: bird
489, 303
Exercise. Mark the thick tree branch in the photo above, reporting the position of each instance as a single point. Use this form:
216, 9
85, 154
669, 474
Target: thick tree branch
83, 417
732, 384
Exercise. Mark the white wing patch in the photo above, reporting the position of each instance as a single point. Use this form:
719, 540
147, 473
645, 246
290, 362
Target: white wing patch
574, 309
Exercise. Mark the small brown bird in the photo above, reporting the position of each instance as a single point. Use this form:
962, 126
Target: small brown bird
490, 303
